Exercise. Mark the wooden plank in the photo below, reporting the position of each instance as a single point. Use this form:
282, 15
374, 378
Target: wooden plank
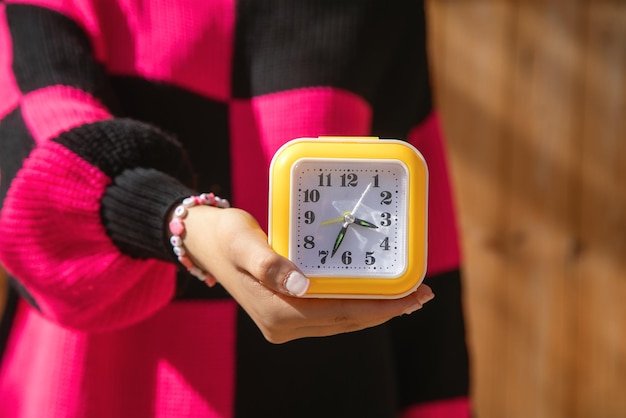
541, 284
471, 44
533, 191
601, 366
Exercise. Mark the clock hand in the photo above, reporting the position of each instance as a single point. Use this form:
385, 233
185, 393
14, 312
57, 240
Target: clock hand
364, 223
343, 217
361, 198
334, 221
348, 219
339, 238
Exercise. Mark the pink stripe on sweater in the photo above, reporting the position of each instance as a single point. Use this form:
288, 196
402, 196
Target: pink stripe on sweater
147, 370
449, 408
9, 92
52, 110
76, 274
185, 43
443, 247
261, 125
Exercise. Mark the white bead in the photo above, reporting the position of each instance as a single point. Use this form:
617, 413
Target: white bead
176, 241
189, 202
198, 273
180, 211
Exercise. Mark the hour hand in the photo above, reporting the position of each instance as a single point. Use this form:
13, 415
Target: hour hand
365, 223
340, 238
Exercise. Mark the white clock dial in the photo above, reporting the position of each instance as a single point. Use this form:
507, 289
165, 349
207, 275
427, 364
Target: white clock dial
349, 217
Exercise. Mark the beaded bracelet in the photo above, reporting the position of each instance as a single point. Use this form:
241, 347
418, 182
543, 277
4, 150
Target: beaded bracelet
177, 228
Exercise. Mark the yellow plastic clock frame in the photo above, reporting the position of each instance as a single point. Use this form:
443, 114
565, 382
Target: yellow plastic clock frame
369, 148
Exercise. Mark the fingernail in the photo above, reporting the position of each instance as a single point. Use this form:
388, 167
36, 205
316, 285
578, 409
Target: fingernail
296, 284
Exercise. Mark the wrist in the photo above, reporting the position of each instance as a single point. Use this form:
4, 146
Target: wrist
178, 231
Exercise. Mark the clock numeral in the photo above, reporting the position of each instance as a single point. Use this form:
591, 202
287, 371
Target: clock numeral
323, 254
386, 198
349, 180
312, 195
386, 219
369, 258
346, 257
385, 244
324, 180
309, 217
309, 242
375, 181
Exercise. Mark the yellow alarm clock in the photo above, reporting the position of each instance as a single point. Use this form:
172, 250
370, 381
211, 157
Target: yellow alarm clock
351, 213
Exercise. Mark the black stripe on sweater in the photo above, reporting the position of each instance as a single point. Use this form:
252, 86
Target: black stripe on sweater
347, 375
430, 347
200, 125
51, 49
16, 143
405, 98
372, 373
353, 45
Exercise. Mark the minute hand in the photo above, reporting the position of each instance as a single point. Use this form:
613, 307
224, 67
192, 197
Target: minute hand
358, 203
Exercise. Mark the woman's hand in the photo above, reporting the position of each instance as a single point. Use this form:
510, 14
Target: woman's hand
229, 244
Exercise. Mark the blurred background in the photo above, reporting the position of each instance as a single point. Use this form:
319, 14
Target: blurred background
533, 99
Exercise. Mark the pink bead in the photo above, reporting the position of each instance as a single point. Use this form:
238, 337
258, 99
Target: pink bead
177, 227
185, 261
210, 280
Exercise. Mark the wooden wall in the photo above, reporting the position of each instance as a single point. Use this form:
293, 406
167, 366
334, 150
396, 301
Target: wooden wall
533, 99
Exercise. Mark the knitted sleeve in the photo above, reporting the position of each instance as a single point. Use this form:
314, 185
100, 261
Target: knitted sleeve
84, 193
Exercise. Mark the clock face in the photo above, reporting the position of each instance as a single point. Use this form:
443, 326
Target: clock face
349, 217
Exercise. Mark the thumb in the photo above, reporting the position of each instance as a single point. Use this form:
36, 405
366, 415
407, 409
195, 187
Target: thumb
253, 254
275, 271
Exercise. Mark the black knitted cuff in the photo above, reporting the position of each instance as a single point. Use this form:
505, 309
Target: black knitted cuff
119, 144
134, 210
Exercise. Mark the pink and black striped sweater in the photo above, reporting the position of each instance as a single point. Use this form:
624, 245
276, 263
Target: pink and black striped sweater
110, 112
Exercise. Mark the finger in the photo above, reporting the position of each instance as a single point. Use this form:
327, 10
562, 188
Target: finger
349, 313
275, 272
331, 316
